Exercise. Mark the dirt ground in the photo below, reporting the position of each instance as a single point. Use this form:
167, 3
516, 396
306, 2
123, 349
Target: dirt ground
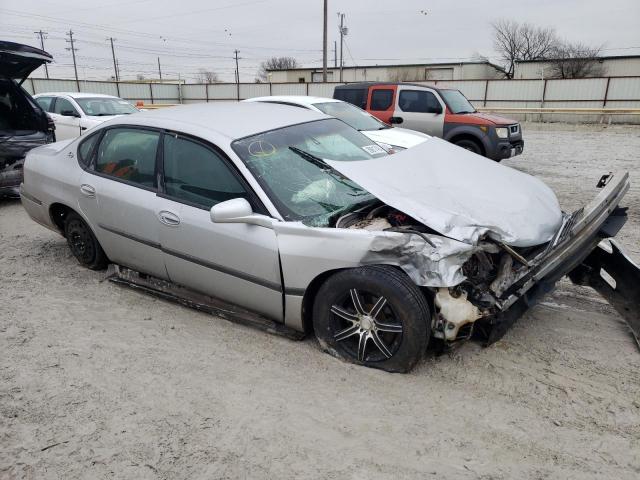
99, 381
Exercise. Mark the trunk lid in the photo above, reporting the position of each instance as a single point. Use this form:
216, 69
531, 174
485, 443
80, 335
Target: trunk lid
17, 61
459, 194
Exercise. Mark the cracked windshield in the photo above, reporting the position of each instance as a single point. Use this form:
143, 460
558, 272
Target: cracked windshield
289, 165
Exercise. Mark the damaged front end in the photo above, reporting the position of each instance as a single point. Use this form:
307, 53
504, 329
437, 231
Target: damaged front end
485, 288
507, 282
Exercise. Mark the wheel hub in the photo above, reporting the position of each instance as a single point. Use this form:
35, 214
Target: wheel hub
366, 322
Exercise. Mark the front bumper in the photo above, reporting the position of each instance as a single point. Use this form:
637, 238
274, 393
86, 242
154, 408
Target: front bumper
572, 250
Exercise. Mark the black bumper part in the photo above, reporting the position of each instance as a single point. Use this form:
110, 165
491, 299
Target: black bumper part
624, 294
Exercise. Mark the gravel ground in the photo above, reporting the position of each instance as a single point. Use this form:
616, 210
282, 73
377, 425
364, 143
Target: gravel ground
99, 381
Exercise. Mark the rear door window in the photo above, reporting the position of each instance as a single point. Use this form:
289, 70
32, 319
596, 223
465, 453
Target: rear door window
381, 99
129, 154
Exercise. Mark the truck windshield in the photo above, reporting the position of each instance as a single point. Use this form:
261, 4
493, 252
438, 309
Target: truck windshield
289, 165
351, 115
457, 102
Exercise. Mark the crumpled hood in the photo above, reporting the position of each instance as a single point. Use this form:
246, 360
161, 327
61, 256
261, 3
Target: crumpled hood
460, 194
495, 119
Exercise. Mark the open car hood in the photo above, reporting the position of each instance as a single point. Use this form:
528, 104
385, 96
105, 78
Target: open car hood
459, 194
17, 61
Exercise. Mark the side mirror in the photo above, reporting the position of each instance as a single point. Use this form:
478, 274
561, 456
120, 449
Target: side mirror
436, 109
395, 120
238, 210
69, 113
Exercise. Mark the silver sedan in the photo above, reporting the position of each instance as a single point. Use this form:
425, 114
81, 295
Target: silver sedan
291, 220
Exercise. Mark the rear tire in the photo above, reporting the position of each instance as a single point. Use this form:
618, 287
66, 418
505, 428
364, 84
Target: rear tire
470, 145
83, 243
373, 316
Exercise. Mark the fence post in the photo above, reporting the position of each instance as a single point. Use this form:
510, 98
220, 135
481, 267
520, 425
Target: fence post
179, 91
270, 89
206, 91
606, 93
151, 91
33, 87
486, 88
307, 85
117, 88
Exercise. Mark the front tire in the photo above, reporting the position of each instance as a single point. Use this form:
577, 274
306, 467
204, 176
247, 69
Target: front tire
470, 145
83, 243
373, 316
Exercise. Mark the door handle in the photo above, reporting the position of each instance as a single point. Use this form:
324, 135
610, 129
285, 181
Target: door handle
393, 120
169, 218
87, 190
83, 128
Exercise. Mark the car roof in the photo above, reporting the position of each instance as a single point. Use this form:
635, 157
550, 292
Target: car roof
297, 99
231, 119
75, 95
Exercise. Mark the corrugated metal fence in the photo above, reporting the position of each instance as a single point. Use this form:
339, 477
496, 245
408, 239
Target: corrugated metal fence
607, 92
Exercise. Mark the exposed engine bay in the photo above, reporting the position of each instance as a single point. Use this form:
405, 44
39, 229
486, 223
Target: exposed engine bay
489, 271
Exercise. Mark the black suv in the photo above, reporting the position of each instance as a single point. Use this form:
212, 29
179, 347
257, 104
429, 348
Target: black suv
23, 124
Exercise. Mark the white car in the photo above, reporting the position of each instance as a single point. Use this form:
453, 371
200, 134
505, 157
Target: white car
389, 137
75, 113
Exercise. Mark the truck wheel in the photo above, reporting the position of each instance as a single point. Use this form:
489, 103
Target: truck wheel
373, 316
83, 243
470, 145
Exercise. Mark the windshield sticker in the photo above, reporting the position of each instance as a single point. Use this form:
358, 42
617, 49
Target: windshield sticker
373, 149
261, 148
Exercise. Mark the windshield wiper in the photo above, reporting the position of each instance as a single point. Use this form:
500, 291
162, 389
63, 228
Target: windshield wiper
325, 167
467, 111
311, 158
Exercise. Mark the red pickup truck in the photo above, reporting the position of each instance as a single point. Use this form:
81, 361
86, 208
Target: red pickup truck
441, 112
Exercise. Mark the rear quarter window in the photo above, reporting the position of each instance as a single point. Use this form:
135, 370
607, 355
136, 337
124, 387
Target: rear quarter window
355, 96
85, 149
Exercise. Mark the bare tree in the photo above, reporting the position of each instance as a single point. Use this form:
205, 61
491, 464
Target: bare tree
139, 76
576, 60
207, 76
522, 41
274, 63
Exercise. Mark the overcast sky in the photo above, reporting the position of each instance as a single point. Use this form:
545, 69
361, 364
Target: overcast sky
191, 34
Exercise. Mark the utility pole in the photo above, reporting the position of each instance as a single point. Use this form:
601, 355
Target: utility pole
343, 32
335, 54
115, 65
42, 34
237, 76
159, 70
73, 53
324, 45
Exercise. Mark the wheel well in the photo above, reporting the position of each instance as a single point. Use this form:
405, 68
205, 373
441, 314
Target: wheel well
468, 136
313, 288
310, 296
58, 213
